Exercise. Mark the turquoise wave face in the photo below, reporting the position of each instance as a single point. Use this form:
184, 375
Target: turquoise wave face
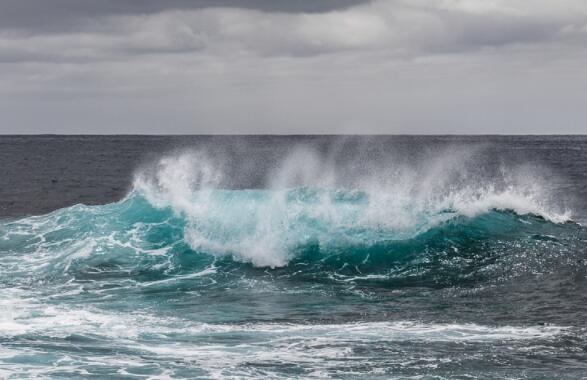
307, 235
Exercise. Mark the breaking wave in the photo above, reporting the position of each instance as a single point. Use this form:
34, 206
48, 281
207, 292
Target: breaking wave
181, 221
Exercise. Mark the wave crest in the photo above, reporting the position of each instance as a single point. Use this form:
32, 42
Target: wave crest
314, 203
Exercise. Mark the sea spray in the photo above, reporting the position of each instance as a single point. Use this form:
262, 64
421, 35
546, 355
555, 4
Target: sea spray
307, 200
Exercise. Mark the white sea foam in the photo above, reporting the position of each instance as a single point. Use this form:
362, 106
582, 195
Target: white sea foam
143, 339
310, 200
23, 313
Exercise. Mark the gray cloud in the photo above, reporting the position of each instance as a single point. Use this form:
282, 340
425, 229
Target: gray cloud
35, 16
405, 28
472, 66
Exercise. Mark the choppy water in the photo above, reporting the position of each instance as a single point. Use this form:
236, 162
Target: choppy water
308, 258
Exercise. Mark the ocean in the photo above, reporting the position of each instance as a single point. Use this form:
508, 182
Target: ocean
377, 257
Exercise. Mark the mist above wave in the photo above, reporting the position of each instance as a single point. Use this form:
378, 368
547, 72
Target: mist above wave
329, 199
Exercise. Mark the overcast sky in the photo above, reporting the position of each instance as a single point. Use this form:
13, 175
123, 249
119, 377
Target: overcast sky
293, 66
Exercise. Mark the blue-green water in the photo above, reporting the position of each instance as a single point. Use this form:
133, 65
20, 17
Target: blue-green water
410, 278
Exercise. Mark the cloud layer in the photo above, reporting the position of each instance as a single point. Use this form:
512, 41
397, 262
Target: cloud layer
331, 68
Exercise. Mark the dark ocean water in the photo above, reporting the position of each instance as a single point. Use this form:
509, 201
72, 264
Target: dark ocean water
293, 257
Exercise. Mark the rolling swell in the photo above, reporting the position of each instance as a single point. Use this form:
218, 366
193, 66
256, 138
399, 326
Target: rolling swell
306, 234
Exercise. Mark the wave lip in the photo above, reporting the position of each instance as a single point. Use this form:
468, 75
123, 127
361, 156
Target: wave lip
180, 216
266, 227
322, 229
308, 200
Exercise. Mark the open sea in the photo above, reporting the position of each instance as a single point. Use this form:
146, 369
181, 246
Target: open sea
235, 257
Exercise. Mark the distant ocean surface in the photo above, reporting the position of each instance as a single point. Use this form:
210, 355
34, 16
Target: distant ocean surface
190, 257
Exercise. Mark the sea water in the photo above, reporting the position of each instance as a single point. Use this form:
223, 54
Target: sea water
325, 257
